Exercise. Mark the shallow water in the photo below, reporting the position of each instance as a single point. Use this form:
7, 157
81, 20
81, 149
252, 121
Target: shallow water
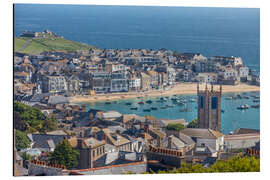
231, 119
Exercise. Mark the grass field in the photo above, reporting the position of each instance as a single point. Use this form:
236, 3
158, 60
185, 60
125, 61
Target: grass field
48, 44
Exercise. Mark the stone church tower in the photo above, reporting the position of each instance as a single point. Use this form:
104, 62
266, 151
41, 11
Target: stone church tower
209, 108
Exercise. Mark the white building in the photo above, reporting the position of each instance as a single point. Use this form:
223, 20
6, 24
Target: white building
134, 83
229, 73
243, 73
206, 137
207, 77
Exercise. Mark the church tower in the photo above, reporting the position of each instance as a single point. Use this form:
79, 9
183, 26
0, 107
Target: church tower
209, 108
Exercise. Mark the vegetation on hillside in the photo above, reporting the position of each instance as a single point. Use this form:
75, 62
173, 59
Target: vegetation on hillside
65, 155
175, 126
33, 119
40, 45
236, 164
21, 140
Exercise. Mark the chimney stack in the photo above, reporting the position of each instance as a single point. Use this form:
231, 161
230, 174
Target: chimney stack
170, 142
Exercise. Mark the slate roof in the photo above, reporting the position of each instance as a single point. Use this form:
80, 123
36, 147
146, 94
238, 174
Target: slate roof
167, 121
45, 140
111, 114
106, 159
38, 97
32, 151
113, 137
57, 100
186, 139
201, 133
115, 128
92, 142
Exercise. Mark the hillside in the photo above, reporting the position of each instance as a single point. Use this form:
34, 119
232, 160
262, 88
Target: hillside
38, 45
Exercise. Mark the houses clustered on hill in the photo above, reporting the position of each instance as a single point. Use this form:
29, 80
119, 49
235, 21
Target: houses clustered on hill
114, 70
114, 143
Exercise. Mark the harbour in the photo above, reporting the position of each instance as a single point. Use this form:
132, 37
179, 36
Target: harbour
185, 106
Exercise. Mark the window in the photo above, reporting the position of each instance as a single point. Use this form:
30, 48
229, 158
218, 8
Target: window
214, 102
201, 102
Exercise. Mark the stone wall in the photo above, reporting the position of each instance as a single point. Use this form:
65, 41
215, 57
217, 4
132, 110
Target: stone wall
41, 169
167, 159
137, 168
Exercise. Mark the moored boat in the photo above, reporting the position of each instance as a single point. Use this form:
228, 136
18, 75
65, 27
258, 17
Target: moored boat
243, 107
255, 106
134, 108
147, 110
154, 108
141, 102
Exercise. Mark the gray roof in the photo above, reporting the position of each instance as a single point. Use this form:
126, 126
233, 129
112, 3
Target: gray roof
32, 151
115, 128
106, 159
186, 139
38, 97
45, 140
201, 133
57, 100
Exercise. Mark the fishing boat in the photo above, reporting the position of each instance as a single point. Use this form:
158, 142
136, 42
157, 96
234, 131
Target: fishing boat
141, 102
169, 106
229, 98
192, 100
181, 104
134, 108
238, 96
256, 97
149, 102
185, 110
154, 108
147, 110
184, 101
174, 99
245, 97
255, 106
243, 107
163, 99
128, 103
256, 100
108, 102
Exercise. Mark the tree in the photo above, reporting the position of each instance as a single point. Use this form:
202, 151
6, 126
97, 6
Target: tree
65, 155
193, 123
21, 140
175, 126
49, 124
33, 119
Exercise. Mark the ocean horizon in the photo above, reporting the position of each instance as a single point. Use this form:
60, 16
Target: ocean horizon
210, 31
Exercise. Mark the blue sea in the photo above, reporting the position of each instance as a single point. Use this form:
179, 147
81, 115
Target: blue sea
210, 31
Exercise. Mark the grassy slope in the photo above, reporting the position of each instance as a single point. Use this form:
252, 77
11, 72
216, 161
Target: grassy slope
18, 43
49, 44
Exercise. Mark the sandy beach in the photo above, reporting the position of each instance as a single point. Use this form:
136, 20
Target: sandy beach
182, 88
